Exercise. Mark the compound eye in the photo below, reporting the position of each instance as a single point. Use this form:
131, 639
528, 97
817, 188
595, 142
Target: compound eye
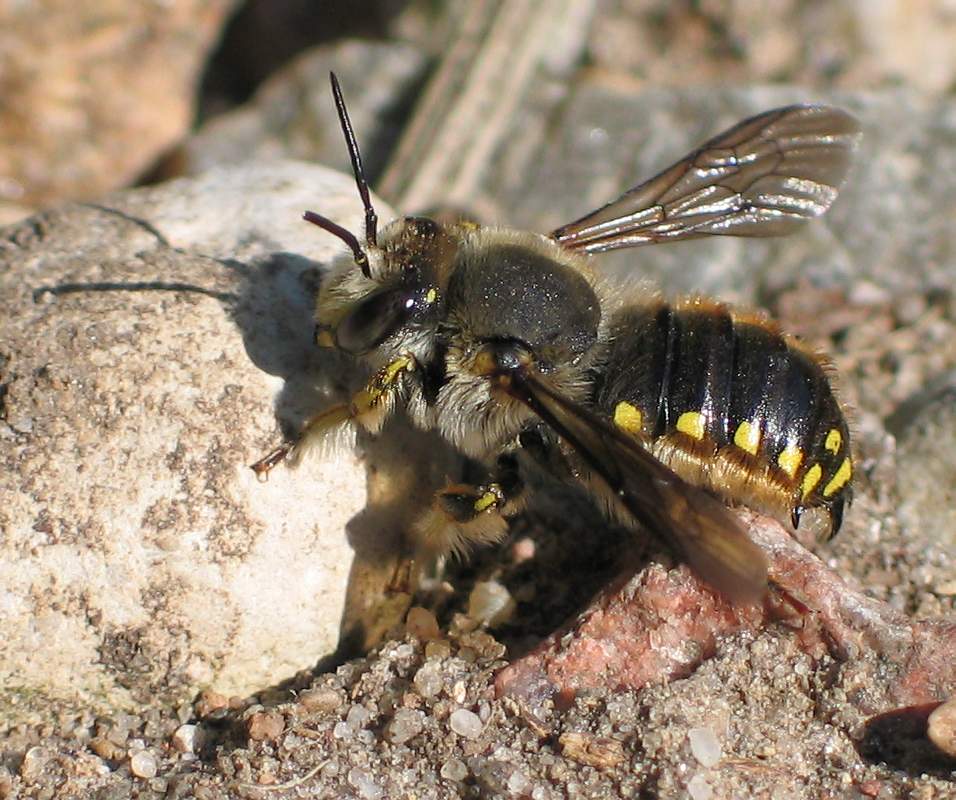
375, 319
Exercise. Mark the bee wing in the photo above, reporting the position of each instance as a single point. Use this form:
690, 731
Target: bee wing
709, 534
764, 177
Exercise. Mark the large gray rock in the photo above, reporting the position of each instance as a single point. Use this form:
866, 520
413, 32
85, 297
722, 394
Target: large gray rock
142, 346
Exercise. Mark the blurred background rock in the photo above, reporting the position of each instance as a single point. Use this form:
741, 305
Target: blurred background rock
100, 95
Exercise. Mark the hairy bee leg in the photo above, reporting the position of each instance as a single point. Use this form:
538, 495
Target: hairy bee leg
368, 407
465, 515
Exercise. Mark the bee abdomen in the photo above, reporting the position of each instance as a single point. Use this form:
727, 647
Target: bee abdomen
731, 404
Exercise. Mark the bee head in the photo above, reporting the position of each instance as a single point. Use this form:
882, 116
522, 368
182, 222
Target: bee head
394, 287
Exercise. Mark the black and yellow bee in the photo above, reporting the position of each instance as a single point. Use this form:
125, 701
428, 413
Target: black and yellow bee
508, 345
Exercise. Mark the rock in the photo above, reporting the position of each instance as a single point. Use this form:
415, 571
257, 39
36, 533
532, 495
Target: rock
454, 770
594, 751
942, 727
94, 93
143, 764
405, 725
925, 429
465, 723
660, 624
421, 623
704, 745
187, 739
265, 726
831, 44
292, 114
490, 603
322, 701
145, 341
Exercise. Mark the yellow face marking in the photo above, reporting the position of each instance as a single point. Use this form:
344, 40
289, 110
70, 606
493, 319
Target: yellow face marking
789, 460
834, 440
628, 418
811, 479
747, 436
840, 479
431, 296
691, 423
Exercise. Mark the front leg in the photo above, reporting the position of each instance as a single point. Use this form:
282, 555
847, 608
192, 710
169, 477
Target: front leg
369, 407
465, 515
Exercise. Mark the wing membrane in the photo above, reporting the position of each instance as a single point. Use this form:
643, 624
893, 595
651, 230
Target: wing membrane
764, 177
708, 533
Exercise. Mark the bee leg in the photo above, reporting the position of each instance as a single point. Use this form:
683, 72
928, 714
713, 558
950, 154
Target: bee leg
369, 407
464, 515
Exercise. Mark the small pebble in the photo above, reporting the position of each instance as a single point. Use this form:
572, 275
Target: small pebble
454, 770
699, 789
105, 749
323, 701
490, 603
209, 702
518, 783
942, 727
186, 739
358, 717
428, 680
595, 751
421, 624
34, 760
522, 550
265, 726
405, 725
465, 723
704, 746
438, 649
364, 784
143, 764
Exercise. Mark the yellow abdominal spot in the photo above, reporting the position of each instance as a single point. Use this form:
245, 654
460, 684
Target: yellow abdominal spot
839, 480
747, 436
834, 440
628, 418
691, 423
789, 460
430, 296
811, 479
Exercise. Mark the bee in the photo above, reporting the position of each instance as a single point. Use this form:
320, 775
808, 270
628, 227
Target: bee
508, 345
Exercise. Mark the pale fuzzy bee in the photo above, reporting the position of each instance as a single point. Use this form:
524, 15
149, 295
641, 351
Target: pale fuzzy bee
508, 344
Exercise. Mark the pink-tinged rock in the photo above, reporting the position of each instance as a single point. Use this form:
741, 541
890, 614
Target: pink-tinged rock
661, 624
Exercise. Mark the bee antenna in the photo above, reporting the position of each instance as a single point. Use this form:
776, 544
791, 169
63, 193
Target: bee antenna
371, 219
345, 235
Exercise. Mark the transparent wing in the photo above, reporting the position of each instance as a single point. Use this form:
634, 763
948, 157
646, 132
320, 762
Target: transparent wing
706, 531
763, 177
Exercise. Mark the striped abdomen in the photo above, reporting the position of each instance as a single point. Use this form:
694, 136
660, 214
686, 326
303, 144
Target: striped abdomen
729, 403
